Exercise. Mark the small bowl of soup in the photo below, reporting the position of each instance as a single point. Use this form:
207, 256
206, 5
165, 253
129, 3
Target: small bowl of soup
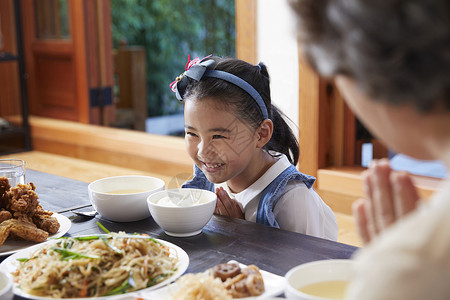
319, 280
6, 286
182, 212
123, 198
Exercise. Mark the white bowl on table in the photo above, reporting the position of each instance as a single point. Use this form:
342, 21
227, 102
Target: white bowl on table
319, 273
182, 212
123, 198
6, 286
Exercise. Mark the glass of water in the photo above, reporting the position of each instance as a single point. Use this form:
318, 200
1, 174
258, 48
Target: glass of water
14, 170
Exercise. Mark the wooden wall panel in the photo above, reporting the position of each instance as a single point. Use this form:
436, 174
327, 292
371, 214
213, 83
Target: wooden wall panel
99, 59
106, 45
9, 75
78, 32
313, 120
246, 21
351, 152
337, 137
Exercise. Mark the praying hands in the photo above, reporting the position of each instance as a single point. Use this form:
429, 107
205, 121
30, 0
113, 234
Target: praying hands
389, 195
226, 206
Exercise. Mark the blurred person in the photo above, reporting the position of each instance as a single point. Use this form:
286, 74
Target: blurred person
391, 61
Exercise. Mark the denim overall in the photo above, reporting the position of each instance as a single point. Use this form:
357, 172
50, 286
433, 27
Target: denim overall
269, 197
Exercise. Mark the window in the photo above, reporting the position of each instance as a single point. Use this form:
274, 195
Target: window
52, 21
166, 31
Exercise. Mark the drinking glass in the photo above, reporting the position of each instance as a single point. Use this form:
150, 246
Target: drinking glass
14, 170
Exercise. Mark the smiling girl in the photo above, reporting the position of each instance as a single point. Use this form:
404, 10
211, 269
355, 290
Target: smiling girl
244, 150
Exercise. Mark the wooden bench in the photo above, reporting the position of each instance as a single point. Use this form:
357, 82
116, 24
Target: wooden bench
164, 155
341, 186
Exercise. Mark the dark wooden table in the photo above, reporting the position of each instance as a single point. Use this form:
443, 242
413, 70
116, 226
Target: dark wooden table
58, 194
222, 239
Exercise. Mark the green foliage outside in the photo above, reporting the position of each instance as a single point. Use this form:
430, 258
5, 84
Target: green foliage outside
171, 30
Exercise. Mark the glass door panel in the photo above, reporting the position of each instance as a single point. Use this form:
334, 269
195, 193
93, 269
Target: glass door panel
52, 19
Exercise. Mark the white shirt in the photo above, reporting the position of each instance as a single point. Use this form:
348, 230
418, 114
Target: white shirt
411, 259
299, 209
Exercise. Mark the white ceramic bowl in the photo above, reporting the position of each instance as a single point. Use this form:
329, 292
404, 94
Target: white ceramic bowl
123, 198
182, 221
315, 272
6, 286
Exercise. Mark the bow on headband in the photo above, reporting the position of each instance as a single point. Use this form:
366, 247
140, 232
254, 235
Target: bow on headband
197, 69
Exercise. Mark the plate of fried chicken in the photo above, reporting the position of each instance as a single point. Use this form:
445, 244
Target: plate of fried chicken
23, 221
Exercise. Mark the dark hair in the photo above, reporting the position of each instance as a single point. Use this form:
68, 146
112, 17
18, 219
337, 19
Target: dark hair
396, 51
245, 107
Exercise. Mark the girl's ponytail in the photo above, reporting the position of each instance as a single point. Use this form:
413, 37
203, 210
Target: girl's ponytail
283, 139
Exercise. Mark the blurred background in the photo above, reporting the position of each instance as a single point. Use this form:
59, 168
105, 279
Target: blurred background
90, 79
167, 31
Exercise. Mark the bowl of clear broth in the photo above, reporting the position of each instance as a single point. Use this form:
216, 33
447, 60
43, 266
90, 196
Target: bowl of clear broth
182, 212
319, 280
123, 198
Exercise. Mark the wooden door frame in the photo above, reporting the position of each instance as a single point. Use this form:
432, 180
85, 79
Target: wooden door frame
79, 39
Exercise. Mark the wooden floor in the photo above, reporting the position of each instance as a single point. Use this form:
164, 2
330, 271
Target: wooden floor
88, 171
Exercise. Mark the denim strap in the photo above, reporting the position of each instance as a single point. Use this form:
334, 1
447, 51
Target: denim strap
199, 181
272, 193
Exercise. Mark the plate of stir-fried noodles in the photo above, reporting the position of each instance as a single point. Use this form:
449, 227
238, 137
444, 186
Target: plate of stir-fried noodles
105, 266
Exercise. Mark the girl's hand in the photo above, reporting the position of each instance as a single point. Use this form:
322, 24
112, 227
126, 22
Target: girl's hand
226, 206
390, 195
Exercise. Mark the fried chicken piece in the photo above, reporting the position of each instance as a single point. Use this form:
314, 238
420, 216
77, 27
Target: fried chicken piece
22, 217
22, 198
28, 231
21, 230
5, 215
5, 229
44, 220
4, 187
47, 223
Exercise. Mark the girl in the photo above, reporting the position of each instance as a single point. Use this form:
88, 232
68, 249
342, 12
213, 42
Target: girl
244, 150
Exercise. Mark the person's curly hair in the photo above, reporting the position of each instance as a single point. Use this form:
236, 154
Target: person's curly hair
396, 50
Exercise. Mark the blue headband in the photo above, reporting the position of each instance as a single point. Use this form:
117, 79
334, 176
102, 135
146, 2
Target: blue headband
197, 71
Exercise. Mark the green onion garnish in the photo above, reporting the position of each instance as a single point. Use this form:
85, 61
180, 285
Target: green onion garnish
68, 255
114, 248
102, 227
123, 288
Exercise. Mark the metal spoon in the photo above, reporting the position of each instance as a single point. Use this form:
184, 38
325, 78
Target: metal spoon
88, 214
